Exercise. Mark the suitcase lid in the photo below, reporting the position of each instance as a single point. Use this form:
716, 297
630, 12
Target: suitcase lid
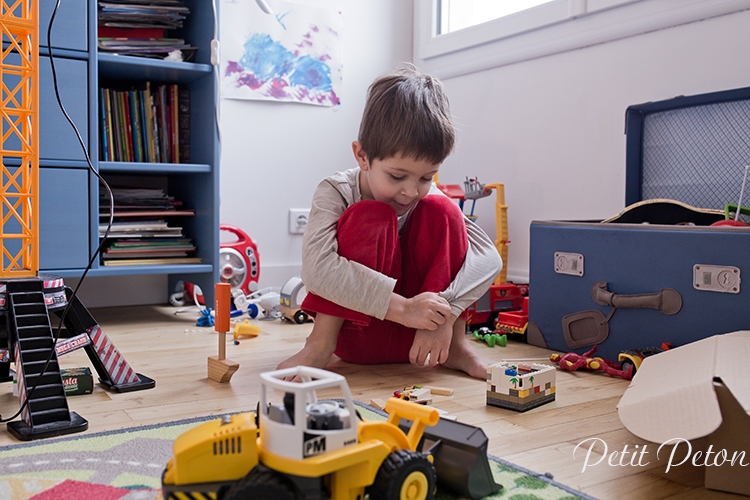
690, 148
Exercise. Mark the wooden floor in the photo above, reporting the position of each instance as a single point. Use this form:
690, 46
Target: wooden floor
173, 351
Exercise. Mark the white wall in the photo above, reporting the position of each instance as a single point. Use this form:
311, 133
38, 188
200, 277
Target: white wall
274, 154
552, 129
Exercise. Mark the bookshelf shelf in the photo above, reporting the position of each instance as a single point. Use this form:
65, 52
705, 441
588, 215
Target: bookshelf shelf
153, 168
113, 66
188, 269
69, 214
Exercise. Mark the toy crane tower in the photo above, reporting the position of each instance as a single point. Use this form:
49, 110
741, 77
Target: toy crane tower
26, 297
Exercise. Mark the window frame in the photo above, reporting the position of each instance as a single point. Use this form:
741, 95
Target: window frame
550, 28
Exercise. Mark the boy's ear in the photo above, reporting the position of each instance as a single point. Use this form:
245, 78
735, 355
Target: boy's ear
360, 155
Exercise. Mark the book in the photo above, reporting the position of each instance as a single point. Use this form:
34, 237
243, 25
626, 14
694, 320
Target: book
184, 125
104, 135
109, 32
135, 124
174, 109
153, 261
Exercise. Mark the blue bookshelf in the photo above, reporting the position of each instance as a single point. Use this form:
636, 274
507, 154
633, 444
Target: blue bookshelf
69, 202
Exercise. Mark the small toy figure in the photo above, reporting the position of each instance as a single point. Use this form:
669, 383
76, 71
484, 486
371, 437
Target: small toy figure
491, 337
573, 362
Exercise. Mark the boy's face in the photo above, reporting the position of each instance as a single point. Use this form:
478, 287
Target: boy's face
399, 181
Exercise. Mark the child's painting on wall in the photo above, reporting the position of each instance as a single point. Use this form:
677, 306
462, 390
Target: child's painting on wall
291, 54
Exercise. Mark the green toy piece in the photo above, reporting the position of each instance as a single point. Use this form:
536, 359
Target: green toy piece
490, 337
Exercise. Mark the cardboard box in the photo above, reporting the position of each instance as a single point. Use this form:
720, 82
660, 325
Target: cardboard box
695, 400
77, 381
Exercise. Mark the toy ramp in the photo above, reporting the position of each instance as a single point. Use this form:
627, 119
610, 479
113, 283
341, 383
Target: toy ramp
460, 453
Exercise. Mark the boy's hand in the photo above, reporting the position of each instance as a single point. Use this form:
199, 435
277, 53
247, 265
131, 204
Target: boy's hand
426, 311
431, 347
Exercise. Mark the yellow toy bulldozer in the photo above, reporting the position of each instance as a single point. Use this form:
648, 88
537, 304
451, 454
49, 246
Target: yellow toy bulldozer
299, 447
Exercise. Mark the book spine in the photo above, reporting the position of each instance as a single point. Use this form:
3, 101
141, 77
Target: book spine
103, 132
110, 124
128, 129
149, 121
117, 125
174, 122
155, 126
110, 32
184, 127
135, 126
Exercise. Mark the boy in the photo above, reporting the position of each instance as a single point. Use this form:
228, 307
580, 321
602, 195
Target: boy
389, 262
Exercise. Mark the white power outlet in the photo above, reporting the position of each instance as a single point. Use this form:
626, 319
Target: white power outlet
298, 220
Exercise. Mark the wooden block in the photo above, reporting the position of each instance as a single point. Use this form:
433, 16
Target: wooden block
378, 403
440, 391
419, 394
221, 370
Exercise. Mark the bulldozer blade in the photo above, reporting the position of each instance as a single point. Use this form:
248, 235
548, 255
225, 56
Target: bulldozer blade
460, 458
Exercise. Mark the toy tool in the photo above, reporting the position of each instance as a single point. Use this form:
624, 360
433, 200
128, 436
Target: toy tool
221, 369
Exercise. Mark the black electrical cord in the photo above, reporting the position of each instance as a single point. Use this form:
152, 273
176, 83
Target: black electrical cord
103, 238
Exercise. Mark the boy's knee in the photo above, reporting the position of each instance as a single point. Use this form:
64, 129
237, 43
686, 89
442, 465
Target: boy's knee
435, 207
368, 213
366, 226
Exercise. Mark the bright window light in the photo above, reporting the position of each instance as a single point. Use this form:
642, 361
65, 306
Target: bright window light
459, 14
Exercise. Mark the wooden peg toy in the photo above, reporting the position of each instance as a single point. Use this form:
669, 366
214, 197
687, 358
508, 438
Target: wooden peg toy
221, 369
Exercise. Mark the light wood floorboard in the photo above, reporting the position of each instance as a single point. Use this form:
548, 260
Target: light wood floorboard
173, 351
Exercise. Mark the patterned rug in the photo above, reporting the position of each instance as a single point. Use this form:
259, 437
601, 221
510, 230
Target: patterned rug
127, 465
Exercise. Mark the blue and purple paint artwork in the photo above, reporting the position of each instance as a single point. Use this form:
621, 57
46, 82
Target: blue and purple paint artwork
294, 56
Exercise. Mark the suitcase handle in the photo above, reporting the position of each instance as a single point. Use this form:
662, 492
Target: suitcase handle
667, 301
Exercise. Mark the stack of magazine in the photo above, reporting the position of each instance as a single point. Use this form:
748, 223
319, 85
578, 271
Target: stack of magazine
141, 233
140, 28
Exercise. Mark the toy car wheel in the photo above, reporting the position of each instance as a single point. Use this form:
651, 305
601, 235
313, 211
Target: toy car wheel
300, 317
260, 484
405, 475
252, 311
625, 366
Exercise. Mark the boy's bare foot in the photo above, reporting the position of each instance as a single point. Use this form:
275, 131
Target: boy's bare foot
463, 356
313, 354
319, 346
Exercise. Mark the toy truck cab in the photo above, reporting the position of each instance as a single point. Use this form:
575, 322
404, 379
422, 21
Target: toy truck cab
303, 426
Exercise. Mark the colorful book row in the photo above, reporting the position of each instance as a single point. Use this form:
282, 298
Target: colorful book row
149, 125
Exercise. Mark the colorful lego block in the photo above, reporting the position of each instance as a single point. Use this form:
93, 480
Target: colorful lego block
520, 386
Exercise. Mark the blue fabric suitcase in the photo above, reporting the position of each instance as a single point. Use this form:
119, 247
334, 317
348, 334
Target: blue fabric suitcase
628, 285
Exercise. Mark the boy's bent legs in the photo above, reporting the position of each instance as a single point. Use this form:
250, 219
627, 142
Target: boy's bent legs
434, 246
366, 233
319, 345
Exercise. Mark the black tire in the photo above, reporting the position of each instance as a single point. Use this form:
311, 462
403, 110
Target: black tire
625, 366
300, 317
260, 484
404, 475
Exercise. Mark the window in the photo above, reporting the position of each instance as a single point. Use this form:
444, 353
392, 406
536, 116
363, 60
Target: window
474, 41
456, 15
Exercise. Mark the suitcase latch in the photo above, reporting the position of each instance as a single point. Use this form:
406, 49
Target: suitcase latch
569, 263
709, 278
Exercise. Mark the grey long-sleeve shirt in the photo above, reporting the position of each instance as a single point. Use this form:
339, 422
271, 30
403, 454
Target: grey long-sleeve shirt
357, 287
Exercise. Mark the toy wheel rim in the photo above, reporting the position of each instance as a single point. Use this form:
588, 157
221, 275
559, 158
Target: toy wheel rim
414, 487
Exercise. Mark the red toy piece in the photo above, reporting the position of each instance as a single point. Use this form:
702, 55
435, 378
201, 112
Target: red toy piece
585, 361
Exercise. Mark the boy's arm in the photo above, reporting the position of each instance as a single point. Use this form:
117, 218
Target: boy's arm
480, 268
326, 273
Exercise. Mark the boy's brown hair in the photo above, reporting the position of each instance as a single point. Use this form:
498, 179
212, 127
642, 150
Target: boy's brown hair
407, 112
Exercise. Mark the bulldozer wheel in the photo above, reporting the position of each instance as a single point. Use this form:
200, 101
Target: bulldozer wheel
404, 475
260, 484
